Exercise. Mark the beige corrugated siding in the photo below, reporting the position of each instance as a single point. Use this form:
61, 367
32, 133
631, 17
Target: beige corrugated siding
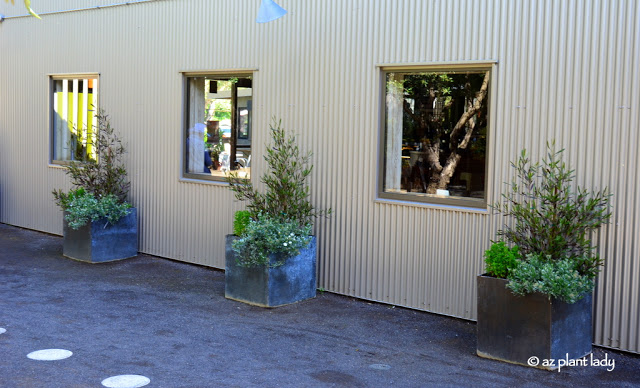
568, 70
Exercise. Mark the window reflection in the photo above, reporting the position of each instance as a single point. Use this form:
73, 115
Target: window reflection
435, 134
219, 125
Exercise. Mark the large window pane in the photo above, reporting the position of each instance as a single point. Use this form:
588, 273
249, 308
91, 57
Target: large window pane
74, 102
435, 135
218, 128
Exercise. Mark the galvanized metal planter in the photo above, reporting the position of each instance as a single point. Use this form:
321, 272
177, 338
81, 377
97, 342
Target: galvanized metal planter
291, 282
100, 241
530, 329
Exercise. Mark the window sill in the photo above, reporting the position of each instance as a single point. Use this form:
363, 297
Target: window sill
202, 181
432, 205
60, 166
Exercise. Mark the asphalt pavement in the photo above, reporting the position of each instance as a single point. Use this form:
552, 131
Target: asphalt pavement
169, 322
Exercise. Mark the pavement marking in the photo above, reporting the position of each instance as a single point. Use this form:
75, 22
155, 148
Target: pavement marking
2, 331
126, 381
380, 366
50, 354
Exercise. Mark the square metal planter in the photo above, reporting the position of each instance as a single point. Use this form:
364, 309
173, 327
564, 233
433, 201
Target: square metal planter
515, 328
100, 241
291, 282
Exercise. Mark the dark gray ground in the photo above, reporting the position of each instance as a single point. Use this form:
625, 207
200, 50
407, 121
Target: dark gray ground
170, 322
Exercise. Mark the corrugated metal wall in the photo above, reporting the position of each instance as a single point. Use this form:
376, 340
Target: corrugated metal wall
568, 70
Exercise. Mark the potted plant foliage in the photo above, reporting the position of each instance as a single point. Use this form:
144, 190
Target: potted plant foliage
271, 259
99, 224
534, 302
215, 148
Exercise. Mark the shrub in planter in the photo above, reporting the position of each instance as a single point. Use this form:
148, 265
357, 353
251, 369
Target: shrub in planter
500, 259
82, 207
535, 299
240, 221
287, 194
271, 260
560, 279
267, 238
99, 224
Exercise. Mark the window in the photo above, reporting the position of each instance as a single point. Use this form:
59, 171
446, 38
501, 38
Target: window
435, 136
74, 102
217, 125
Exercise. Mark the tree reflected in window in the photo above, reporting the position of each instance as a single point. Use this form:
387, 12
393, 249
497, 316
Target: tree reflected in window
435, 133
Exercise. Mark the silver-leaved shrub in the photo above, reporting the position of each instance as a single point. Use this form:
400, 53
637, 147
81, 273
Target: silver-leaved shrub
269, 241
556, 278
83, 208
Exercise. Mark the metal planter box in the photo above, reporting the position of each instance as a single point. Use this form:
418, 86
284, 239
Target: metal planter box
291, 282
529, 329
100, 241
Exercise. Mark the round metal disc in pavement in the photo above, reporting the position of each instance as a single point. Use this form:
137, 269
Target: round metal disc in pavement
50, 354
126, 381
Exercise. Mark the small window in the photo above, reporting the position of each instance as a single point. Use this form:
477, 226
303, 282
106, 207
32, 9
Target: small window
218, 125
435, 136
74, 102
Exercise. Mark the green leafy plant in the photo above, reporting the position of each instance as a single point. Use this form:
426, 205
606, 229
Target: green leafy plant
500, 259
64, 200
557, 278
552, 221
240, 222
101, 185
269, 241
215, 148
281, 217
287, 195
83, 207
